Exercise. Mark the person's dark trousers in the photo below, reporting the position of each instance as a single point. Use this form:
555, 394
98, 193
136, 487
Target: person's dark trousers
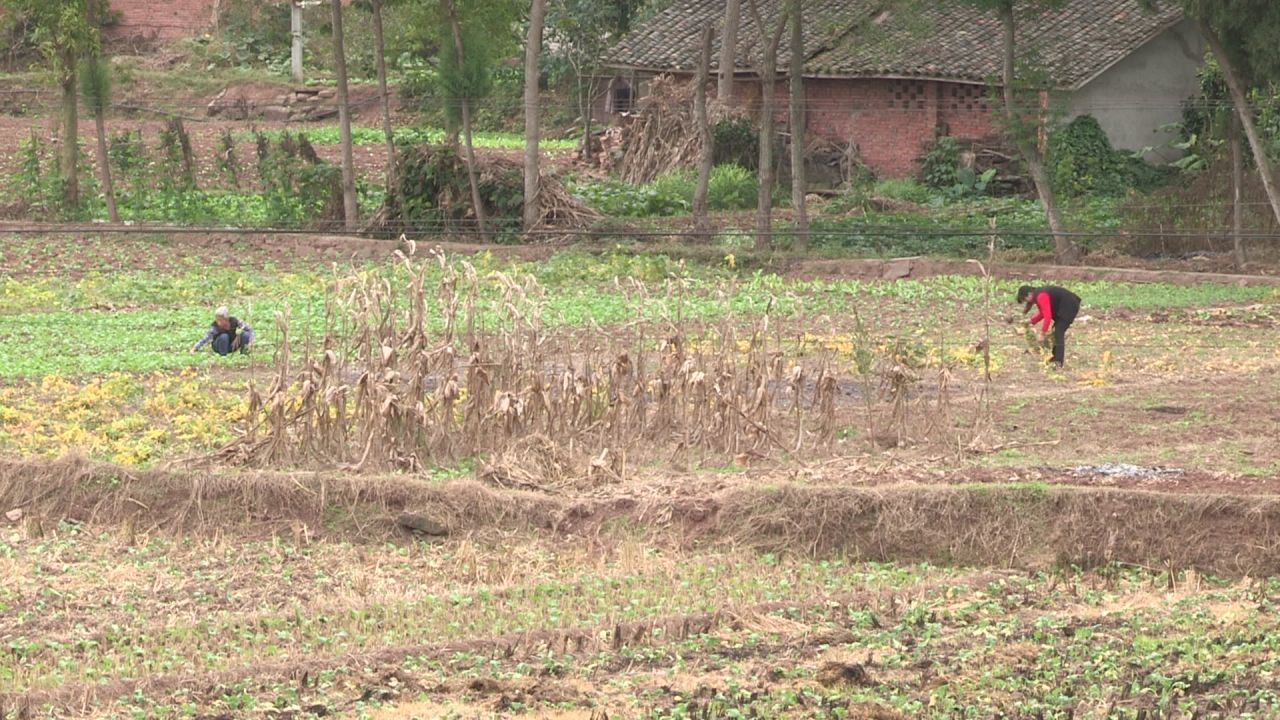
222, 343
1065, 316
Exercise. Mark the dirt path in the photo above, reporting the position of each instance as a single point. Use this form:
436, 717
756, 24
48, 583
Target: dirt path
922, 267
294, 244
26, 249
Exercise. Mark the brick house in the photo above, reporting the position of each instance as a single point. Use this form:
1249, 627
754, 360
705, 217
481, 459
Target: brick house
163, 19
889, 83
174, 19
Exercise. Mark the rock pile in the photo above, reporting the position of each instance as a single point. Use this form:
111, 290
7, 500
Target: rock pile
305, 104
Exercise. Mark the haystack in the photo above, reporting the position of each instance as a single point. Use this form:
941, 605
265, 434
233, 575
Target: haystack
662, 134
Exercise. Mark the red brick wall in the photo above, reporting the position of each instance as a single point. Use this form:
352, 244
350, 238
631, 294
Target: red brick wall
163, 19
965, 111
892, 121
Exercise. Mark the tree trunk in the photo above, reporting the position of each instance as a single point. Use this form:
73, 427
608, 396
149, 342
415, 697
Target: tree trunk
586, 93
1237, 189
477, 205
350, 211
532, 114
700, 220
380, 48
104, 165
70, 158
798, 140
768, 71
1064, 250
1245, 114
728, 51
768, 106
580, 93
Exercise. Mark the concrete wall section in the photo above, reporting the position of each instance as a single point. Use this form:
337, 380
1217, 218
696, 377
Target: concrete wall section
1145, 91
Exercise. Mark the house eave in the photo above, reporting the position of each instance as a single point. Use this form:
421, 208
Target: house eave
894, 76
625, 67
622, 67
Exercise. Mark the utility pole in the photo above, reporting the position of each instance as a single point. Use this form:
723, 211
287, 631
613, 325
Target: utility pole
295, 22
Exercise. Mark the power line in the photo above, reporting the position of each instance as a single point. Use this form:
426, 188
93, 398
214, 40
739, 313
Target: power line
847, 104
465, 229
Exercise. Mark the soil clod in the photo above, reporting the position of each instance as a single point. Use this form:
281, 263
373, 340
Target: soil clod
840, 673
418, 523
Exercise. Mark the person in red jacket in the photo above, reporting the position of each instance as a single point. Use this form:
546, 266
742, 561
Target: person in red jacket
1056, 306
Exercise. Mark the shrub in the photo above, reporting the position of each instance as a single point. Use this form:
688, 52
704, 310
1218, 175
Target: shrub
297, 186
41, 185
735, 141
675, 185
940, 163
907, 189
251, 34
1082, 161
732, 187
943, 171
619, 199
852, 198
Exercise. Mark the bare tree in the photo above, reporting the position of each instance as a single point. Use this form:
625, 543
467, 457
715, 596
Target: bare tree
1237, 187
798, 139
1245, 114
767, 69
380, 55
532, 113
1064, 250
65, 32
69, 161
455, 26
95, 81
701, 222
350, 211
728, 51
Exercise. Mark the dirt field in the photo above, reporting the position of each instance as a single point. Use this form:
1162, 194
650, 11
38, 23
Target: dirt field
1096, 542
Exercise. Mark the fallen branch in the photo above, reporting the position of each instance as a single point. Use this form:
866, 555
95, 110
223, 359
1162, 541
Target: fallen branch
1010, 446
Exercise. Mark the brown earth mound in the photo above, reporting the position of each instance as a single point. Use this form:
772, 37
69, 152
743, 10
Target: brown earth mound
997, 524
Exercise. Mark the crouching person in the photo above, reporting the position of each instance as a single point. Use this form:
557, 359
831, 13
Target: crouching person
226, 335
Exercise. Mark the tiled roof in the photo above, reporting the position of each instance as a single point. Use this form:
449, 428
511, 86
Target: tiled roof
950, 40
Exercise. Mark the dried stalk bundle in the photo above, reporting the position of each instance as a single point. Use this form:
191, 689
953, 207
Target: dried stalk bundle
662, 135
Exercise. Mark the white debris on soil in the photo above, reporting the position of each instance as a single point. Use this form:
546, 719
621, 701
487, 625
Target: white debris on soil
1123, 470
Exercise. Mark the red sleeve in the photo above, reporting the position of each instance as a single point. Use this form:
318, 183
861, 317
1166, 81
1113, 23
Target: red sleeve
1046, 311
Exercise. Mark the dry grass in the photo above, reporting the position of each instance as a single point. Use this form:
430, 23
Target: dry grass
209, 500
1002, 525
1010, 526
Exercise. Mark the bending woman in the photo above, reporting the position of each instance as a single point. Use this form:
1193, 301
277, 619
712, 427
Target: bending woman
1055, 305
